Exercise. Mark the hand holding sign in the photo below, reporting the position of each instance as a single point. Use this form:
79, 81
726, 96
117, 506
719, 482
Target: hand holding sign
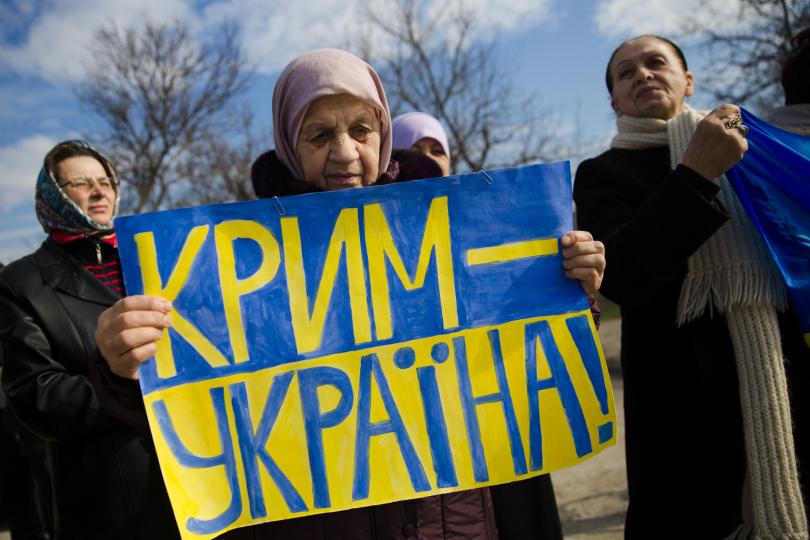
127, 332
584, 259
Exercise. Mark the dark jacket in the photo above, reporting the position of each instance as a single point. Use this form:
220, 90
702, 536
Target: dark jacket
99, 467
522, 510
684, 436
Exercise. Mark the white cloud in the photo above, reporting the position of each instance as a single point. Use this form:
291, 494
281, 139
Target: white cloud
627, 18
506, 15
55, 47
17, 233
492, 17
274, 36
40, 107
56, 44
19, 166
20, 233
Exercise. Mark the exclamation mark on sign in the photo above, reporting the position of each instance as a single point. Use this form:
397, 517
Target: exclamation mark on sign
583, 337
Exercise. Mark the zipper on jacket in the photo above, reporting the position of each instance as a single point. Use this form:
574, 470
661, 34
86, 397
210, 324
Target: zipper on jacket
98, 252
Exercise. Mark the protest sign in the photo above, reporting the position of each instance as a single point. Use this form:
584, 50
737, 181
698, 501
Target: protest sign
345, 349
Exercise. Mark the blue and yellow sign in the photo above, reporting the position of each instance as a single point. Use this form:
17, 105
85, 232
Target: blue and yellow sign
353, 348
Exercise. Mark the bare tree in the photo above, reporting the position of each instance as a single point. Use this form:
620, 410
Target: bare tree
164, 105
433, 63
746, 61
220, 170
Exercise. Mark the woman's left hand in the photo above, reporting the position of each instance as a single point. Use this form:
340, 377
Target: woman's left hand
584, 259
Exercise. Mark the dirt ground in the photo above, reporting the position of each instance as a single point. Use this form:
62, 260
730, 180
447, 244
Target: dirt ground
592, 497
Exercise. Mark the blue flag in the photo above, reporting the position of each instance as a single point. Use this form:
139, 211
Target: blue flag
773, 185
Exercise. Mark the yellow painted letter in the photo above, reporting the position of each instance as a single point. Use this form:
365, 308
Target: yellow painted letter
380, 245
152, 285
233, 288
308, 329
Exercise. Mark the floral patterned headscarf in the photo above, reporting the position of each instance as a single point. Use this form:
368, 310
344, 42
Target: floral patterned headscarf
55, 210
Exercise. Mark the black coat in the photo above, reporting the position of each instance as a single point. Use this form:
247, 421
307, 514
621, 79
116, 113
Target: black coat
100, 470
684, 437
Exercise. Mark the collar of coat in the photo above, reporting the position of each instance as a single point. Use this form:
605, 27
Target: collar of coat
271, 178
62, 272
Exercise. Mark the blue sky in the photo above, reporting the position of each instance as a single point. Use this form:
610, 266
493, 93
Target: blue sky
558, 49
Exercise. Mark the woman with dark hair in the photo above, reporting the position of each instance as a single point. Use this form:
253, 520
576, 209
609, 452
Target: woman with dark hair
705, 328
795, 115
49, 304
332, 130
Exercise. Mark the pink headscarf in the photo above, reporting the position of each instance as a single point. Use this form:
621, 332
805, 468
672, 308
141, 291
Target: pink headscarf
324, 72
411, 127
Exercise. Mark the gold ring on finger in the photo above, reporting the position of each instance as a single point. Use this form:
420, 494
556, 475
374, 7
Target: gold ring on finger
733, 121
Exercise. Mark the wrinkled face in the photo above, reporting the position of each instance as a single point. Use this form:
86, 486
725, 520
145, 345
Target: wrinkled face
95, 199
433, 149
649, 80
339, 143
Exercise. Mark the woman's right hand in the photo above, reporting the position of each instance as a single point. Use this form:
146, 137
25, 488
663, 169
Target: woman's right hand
715, 148
127, 332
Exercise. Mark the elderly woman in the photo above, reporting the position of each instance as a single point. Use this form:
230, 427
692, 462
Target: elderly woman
708, 425
49, 304
423, 134
332, 130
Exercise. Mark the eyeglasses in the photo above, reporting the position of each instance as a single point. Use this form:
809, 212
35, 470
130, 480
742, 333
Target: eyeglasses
86, 183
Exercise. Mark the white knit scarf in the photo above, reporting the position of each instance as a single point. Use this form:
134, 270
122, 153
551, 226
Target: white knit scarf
733, 273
